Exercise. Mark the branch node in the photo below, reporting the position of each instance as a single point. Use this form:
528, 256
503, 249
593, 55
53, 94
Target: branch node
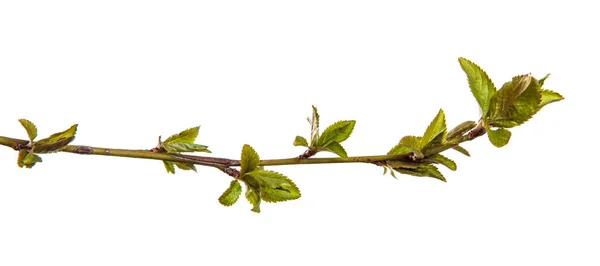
83, 150
232, 172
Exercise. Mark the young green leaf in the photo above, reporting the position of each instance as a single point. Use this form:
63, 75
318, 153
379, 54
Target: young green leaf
27, 159
441, 159
56, 137
186, 166
337, 132
515, 102
253, 197
50, 147
314, 127
498, 137
169, 167
231, 195
274, 187
542, 80
481, 85
460, 130
249, 160
177, 147
423, 170
549, 96
462, 150
408, 144
336, 148
187, 136
30, 128
300, 141
435, 131
399, 149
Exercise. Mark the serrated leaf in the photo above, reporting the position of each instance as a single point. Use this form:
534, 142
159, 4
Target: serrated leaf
542, 80
413, 142
481, 85
462, 150
27, 159
460, 130
52, 146
400, 149
274, 187
249, 160
253, 197
423, 170
169, 167
549, 96
441, 159
300, 141
314, 127
515, 102
337, 149
231, 195
498, 137
30, 128
408, 144
336, 132
177, 147
435, 131
187, 136
56, 137
186, 166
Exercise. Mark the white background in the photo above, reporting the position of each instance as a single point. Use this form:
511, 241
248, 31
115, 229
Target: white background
248, 72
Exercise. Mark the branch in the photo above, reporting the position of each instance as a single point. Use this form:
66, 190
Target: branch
510, 106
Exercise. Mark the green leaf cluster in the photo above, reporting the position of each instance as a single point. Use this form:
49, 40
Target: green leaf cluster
178, 143
28, 157
512, 105
331, 138
424, 150
261, 185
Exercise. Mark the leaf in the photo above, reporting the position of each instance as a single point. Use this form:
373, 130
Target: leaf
462, 150
30, 128
253, 197
337, 149
436, 128
300, 141
549, 96
27, 159
412, 142
169, 166
408, 144
186, 166
481, 85
274, 187
187, 136
56, 137
314, 127
542, 80
400, 149
249, 160
460, 130
515, 102
498, 137
336, 132
177, 147
441, 159
231, 195
423, 170
53, 146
